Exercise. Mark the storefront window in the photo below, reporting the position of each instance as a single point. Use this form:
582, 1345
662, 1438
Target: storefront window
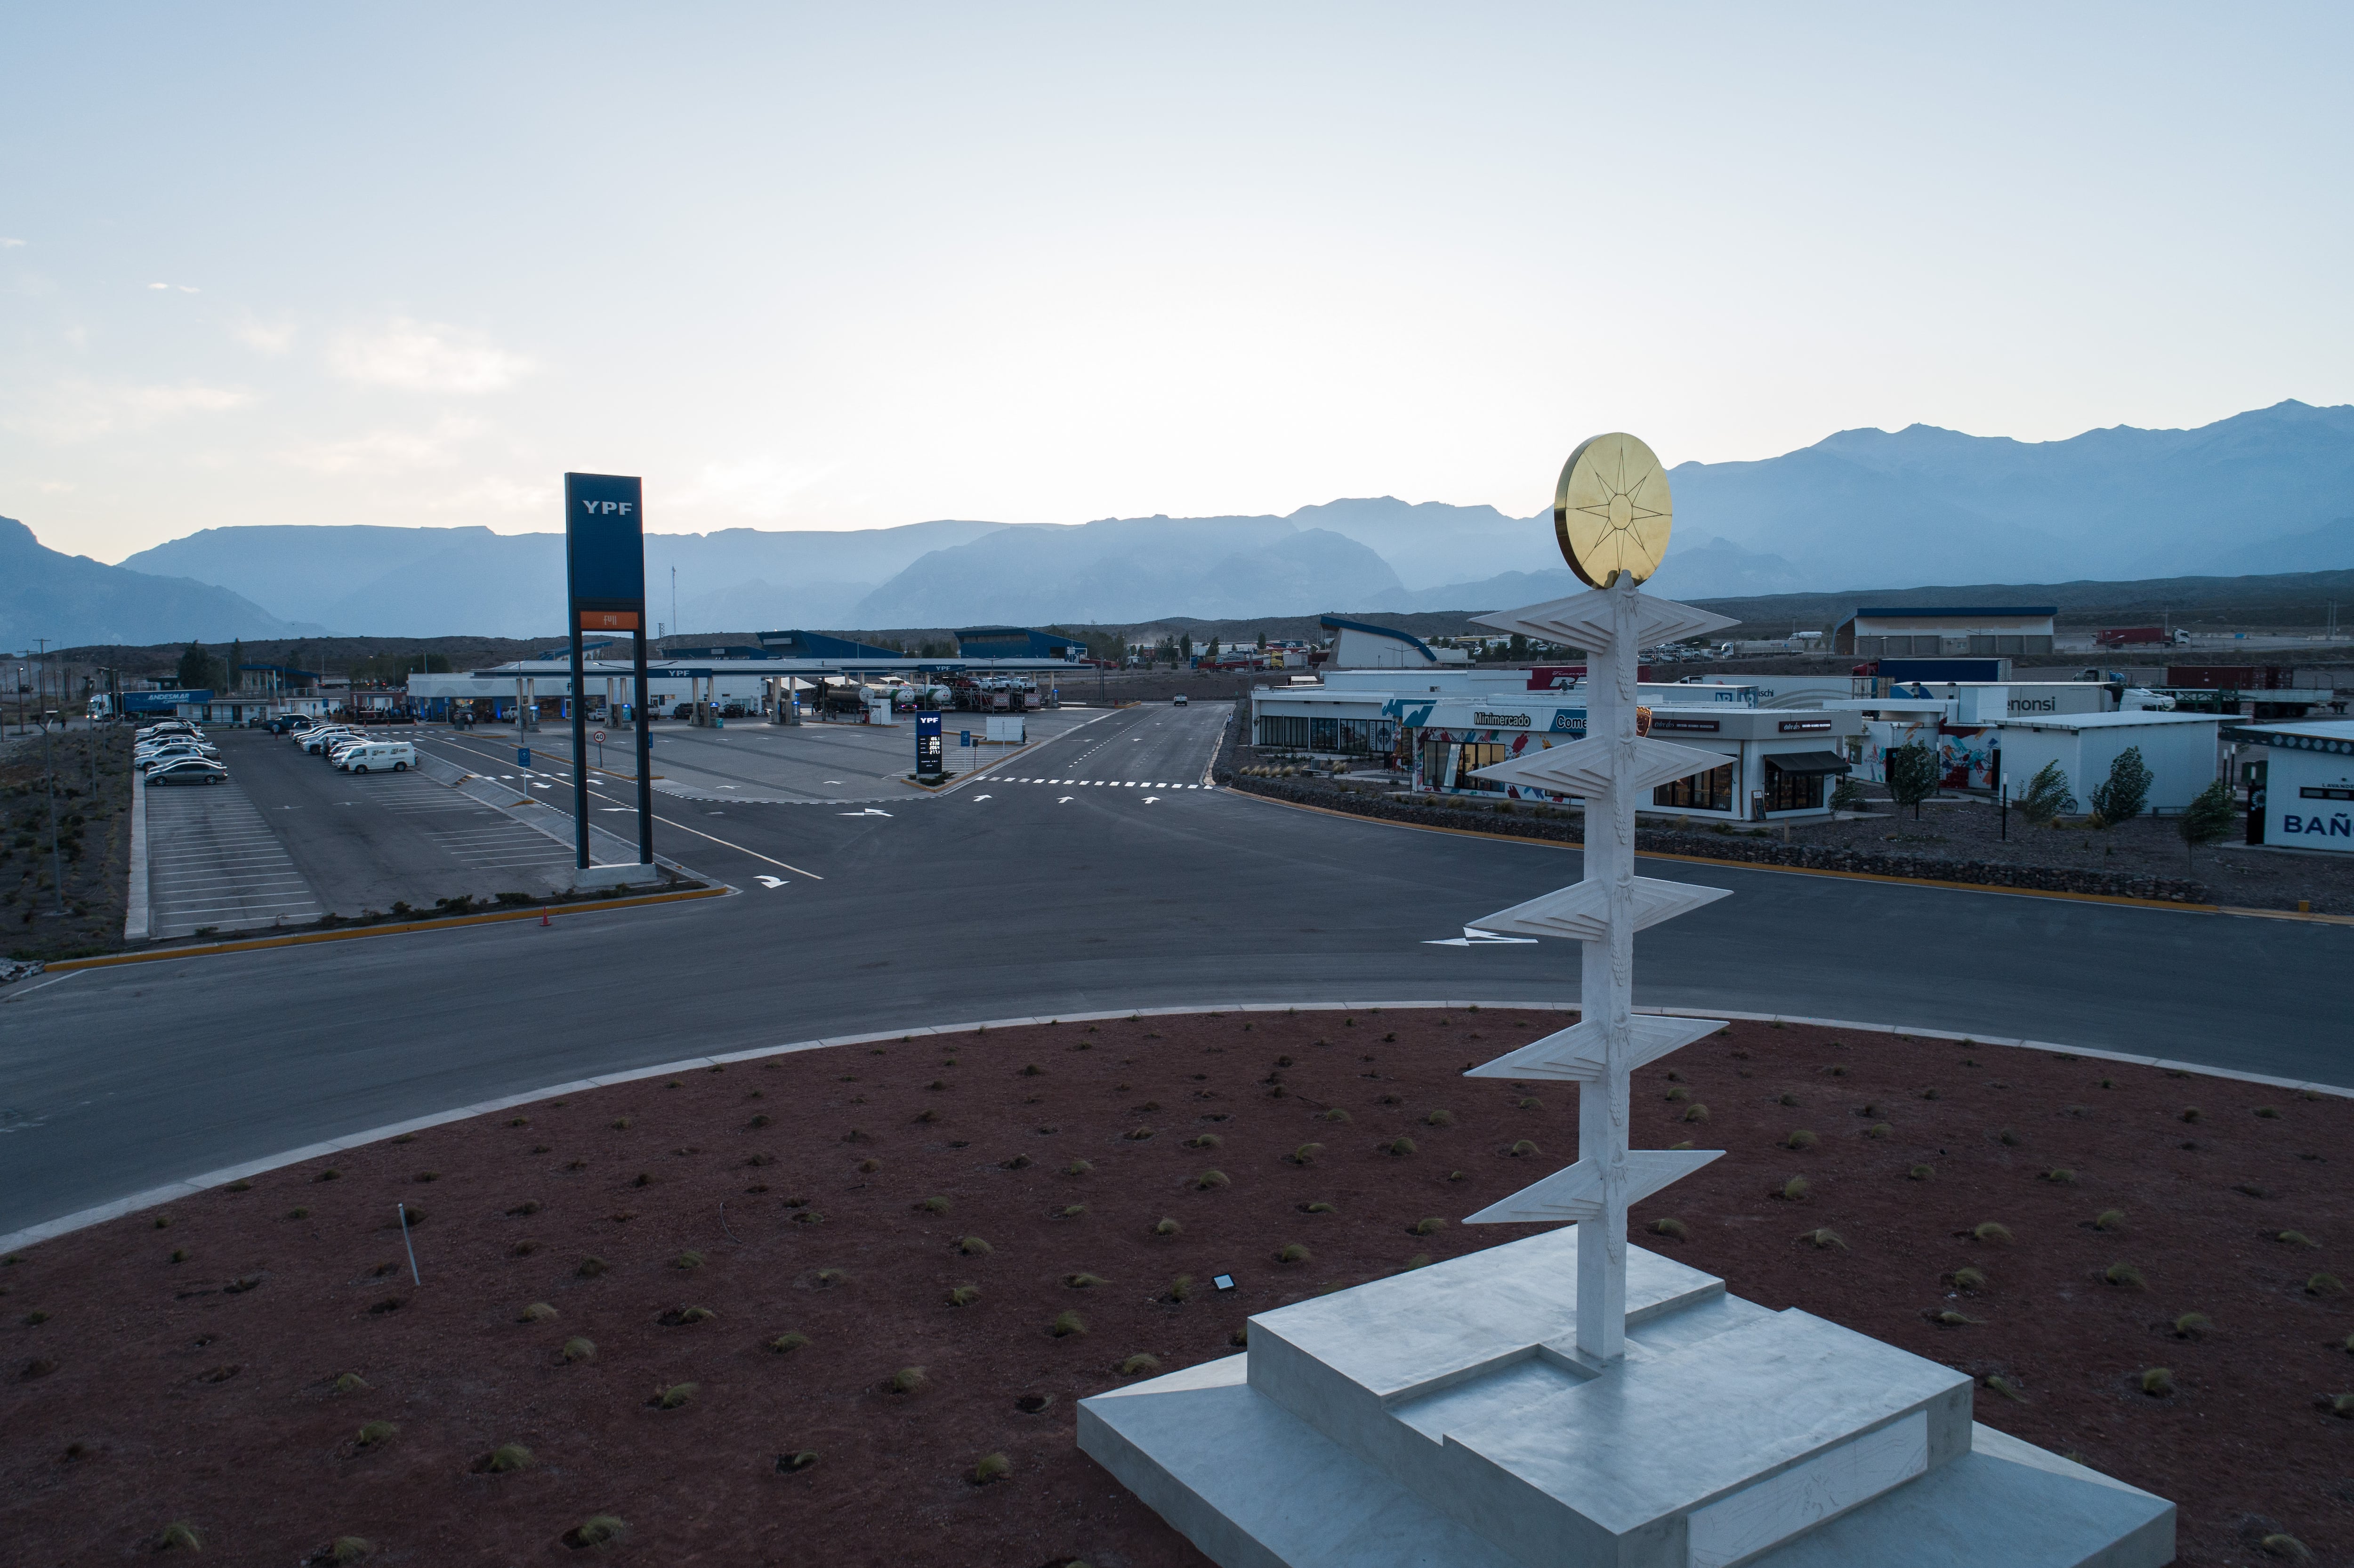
1792, 792
1709, 791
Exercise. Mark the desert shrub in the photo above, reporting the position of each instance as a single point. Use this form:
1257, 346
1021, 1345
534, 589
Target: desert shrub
1800, 1140
1067, 1324
963, 1295
597, 1529
537, 1312
909, 1380
1292, 1252
506, 1457
1166, 1227
1880, 1130
1440, 1118
578, 1350
376, 1434
1997, 1383
2061, 1176
1793, 1189
676, 1396
993, 1467
1426, 1227
2295, 1238
1305, 1154
934, 1205
1822, 1238
689, 1260
1077, 1168
1921, 1173
2125, 1276
2109, 1220
1991, 1231
1695, 1112
1949, 1318
1084, 1281
1208, 1180
2191, 1325
1524, 1150
2157, 1382
973, 1246
785, 1344
1674, 1230
2324, 1285
1398, 1145
1141, 1362
1967, 1278
350, 1382
179, 1536
1336, 1114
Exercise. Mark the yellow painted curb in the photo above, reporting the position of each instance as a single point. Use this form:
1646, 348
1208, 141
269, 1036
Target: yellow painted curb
1808, 870
303, 938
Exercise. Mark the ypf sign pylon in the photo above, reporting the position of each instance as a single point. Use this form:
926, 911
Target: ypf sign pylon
1611, 515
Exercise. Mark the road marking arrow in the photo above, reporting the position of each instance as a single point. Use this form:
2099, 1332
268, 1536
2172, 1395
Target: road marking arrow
1474, 937
769, 882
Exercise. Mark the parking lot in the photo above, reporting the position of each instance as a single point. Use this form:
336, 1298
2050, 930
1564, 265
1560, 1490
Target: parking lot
213, 863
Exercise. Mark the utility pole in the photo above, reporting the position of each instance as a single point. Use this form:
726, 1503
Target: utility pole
50, 780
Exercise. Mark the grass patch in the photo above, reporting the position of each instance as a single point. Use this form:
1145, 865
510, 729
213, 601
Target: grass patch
789, 1463
1674, 1230
934, 1205
2324, 1285
2191, 1325
1398, 1145
1208, 1180
2157, 1382
376, 1433
785, 1344
676, 1396
1880, 1130
2061, 1176
993, 1467
1992, 1231
1205, 1141
1440, 1118
1084, 1281
2125, 1276
827, 1278
963, 1295
578, 1350
973, 1246
507, 1459
350, 1382
1139, 1363
1524, 1150
1319, 1207
907, 1380
1166, 1227
1968, 1279
1800, 1140
1793, 1190
2295, 1238
1067, 1325
1921, 1173
1292, 1252
1949, 1318
1305, 1154
1181, 1289
689, 1260
1335, 1114
1070, 1210
1077, 1168
1997, 1383
1431, 1226
1695, 1112
2109, 1220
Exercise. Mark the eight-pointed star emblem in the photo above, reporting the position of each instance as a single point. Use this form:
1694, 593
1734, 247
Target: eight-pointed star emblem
1611, 511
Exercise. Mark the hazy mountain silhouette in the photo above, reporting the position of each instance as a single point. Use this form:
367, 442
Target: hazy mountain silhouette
2268, 491
74, 601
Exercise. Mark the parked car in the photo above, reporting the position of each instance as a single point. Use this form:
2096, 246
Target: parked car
187, 771
168, 727
320, 738
1178, 701
396, 756
148, 760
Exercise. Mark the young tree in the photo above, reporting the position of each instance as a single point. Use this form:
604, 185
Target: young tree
196, 671
1913, 773
2123, 795
2047, 796
2208, 820
235, 679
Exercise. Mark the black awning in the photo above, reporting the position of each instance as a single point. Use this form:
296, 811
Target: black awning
1810, 762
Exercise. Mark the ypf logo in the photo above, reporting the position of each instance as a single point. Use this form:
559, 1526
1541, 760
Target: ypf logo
607, 507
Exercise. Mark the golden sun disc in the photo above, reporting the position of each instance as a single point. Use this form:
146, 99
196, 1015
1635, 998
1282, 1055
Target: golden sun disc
1611, 511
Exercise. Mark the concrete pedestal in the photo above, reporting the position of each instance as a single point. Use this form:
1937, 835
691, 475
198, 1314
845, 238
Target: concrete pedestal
1446, 1416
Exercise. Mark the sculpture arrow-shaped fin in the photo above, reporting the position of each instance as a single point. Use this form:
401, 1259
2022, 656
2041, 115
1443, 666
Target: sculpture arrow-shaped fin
1581, 911
1568, 1196
1583, 620
1575, 1052
1584, 767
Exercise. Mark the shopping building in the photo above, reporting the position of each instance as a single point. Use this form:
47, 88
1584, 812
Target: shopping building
2304, 775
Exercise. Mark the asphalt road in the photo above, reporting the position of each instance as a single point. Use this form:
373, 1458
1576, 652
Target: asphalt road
1069, 892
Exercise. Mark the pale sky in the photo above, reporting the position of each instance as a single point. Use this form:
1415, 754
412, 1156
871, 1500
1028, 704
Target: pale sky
848, 266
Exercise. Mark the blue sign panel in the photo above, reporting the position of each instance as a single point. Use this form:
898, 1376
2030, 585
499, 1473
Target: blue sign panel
927, 743
604, 541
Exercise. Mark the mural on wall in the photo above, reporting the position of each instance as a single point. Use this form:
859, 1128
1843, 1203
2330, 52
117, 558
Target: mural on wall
1964, 752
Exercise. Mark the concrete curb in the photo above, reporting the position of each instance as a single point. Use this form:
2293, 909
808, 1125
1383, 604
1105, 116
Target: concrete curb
136, 921
154, 1196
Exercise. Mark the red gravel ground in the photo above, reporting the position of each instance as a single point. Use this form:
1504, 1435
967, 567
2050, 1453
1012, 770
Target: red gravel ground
141, 1391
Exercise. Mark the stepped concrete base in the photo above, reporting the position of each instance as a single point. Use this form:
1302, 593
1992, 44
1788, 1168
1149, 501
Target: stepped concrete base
1444, 1417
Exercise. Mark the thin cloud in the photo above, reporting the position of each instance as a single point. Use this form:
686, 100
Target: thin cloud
184, 288
495, 493
764, 487
421, 356
83, 410
265, 336
384, 451
8, 244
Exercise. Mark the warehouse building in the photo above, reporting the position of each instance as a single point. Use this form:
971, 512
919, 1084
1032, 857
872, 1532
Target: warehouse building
1946, 631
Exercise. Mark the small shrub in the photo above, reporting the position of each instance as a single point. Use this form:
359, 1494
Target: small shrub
1166, 1227
1084, 1281
787, 1464
1528, 1102
2002, 1385
1071, 1211
527, 1208
2061, 1176
2109, 1220
1181, 1289
1398, 1145
1990, 1231
374, 1433
621, 1124
827, 1278
907, 1380
1788, 1100
1949, 1318
590, 1267
2269, 1113
1208, 1180
1292, 1252
934, 1205
785, 1344
993, 1467
2009, 1138
1426, 1227
1319, 1207
1204, 1141
2157, 1382
973, 1246
180, 1537
1335, 1114
2286, 1546
1524, 1150
350, 1382
1674, 1230
1967, 1278
1077, 1168
1800, 1140
2295, 1238
2191, 1115
2191, 1325
506, 1458
1419, 1260
2125, 1276
1793, 1190
1880, 1130
1067, 1324
1677, 1095
1305, 1154
689, 1260
1440, 1118
577, 1350
1141, 1362
1921, 1173
598, 1529
537, 1312
1822, 1238
345, 1549
2324, 1285
675, 1396
1695, 1112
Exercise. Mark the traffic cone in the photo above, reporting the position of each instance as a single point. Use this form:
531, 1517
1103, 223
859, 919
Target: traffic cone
542, 918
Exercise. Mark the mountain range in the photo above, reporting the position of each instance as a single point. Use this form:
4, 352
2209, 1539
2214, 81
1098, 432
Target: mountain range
2267, 491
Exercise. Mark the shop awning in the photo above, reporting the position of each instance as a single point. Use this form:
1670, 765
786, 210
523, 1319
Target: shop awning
1810, 762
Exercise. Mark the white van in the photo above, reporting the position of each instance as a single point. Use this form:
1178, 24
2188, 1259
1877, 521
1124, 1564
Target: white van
396, 756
